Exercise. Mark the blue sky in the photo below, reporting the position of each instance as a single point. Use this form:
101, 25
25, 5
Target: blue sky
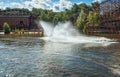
55, 5
73, 1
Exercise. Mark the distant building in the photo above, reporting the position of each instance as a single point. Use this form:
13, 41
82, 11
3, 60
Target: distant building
18, 19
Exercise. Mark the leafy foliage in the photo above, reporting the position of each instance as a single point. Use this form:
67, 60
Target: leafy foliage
49, 15
62, 16
80, 22
6, 28
93, 19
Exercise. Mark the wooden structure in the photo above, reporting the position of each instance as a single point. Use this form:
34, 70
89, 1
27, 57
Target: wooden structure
109, 10
18, 19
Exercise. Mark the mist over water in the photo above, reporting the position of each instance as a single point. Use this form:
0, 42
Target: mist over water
65, 32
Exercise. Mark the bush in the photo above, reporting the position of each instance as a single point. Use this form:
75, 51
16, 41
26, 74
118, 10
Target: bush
6, 28
17, 31
22, 31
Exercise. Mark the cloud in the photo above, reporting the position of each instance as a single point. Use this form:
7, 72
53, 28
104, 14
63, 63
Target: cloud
16, 5
97, 0
3, 6
44, 4
62, 5
79, 3
56, 6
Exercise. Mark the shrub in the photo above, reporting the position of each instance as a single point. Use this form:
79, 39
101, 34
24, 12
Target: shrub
6, 28
17, 31
22, 31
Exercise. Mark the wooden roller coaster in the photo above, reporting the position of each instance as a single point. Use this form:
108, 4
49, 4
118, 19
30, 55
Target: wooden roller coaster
109, 11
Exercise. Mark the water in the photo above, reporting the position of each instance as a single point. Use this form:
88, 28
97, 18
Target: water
62, 53
34, 57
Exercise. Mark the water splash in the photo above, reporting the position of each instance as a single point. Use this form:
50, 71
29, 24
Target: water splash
48, 28
65, 32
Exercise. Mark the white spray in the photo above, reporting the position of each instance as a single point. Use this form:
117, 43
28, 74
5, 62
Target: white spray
65, 32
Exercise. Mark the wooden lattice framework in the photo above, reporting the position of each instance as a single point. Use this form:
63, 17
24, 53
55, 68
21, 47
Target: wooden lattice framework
109, 11
110, 15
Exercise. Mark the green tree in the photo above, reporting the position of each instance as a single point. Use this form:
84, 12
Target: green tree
35, 10
96, 7
78, 7
75, 8
6, 28
80, 22
68, 12
95, 4
48, 15
8, 8
93, 19
60, 16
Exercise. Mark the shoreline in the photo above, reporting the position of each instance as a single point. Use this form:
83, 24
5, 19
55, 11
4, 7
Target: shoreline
40, 34
24, 34
111, 36
115, 37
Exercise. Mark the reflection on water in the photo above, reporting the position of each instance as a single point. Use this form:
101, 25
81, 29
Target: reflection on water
33, 57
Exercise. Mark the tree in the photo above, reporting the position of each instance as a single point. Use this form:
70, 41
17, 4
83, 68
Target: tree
24, 9
75, 8
95, 4
60, 16
35, 10
83, 6
80, 22
6, 28
68, 12
8, 8
93, 19
96, 7
78, 7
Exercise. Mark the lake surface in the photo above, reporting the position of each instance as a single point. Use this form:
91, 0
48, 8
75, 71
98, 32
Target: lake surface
34, 57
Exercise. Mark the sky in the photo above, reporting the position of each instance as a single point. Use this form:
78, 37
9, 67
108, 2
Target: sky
55, 5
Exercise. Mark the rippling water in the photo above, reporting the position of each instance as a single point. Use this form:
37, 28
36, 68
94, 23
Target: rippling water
33, 57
